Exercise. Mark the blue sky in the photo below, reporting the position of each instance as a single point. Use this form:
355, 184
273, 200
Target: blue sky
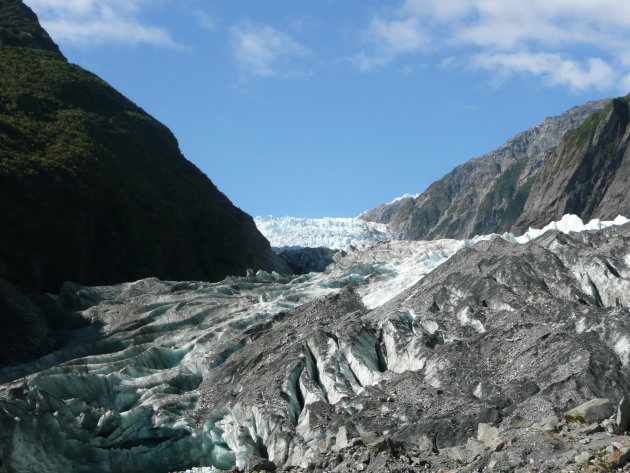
332, 107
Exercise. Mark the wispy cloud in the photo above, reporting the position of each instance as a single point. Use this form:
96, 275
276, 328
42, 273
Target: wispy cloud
554, 69
542, 38
205, 20
262, 50
390, 38
95, 22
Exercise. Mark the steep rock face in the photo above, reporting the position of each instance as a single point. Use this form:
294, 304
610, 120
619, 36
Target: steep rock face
588, 174
169, 376
92, 189
485, 194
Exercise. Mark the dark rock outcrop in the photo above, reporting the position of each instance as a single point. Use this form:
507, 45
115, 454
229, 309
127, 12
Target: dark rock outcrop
306, 260
93, 189
23, 326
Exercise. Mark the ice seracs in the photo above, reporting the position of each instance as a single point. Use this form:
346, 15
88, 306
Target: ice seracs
334, 233
571, 223
339, 233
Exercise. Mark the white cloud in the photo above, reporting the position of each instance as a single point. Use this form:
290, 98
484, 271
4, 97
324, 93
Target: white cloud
390, 38
205, 20
399, 36
553, 68
90, 22
365, 62
264, 51
544, 38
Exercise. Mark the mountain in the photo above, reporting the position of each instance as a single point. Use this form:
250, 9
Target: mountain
93, 189
407, 349
484, 195
19, 27
588, 174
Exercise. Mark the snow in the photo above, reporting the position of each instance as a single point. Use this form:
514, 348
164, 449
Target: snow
397, 199
430, 326
334, 233
403, 197
466, 317
571, 223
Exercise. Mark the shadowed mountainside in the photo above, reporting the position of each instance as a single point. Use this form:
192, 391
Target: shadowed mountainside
93, 189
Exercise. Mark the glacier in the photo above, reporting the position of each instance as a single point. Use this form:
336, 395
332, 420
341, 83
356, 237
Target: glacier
334, 233
339, 233
139, 389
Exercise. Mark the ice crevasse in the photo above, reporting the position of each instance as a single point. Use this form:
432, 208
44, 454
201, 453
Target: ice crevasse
125, 397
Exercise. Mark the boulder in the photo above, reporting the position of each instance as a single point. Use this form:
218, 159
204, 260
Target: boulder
486, 434
593, 411
263, 464
344, 437
548, 424
623, 414
621, 456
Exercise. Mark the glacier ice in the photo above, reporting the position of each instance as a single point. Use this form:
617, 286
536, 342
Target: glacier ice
402, 264
129, 399
571, 223
334, 233
339, 233
392, 266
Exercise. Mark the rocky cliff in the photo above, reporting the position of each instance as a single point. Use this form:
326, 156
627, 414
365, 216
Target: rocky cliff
485, 194
94, 190
588, 174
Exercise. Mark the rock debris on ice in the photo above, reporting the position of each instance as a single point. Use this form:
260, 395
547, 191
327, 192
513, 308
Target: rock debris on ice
175, 375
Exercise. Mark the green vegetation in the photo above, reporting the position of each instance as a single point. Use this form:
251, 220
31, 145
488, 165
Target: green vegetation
504, 203
576, 419
92, 189
430, 213
595, 164
19, 27
583, 133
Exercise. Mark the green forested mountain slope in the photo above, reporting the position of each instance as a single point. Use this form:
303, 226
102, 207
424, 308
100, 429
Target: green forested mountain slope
93, 189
